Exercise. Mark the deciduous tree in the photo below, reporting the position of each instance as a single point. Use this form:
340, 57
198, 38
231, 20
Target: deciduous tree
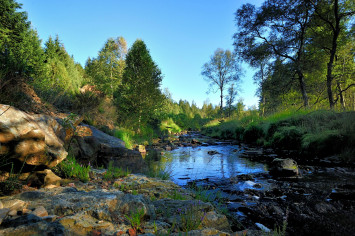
221, 70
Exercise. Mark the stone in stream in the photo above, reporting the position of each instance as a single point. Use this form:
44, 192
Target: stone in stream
284, 168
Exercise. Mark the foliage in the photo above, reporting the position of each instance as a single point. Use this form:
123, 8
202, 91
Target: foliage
221, 70
312, 133
135, 218
71, 168
296, 47
106, 70
113, 172
177, 195
125, 136
169, 126
139, 95
191, 217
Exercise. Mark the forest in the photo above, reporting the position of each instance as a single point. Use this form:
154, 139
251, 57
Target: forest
303, 52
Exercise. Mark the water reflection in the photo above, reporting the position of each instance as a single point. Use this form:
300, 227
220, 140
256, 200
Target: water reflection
188, 163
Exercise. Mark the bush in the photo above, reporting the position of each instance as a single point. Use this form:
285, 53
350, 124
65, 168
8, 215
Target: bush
287, 138
252, 133
324, 143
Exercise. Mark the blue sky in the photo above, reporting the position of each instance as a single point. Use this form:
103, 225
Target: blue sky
181, 35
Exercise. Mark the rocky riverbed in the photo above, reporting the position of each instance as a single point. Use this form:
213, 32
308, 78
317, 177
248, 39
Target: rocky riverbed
316, 197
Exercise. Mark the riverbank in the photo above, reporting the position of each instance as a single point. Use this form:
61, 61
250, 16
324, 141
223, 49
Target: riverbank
309, 137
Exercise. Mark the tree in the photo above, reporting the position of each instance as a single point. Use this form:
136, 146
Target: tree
278, 28
21, 54
221, 70
139, 95
232, 93
107, 69
334, 14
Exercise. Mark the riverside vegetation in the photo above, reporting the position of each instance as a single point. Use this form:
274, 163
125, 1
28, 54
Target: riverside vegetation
305, 76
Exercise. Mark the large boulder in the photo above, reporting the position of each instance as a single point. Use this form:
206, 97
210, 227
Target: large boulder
30, 139
97, 147
284, 167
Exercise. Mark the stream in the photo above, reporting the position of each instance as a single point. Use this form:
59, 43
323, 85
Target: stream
321, 201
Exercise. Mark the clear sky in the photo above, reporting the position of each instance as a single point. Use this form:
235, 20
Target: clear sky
180, 34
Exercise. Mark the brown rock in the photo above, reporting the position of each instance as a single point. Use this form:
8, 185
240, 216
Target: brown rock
40, 211
30, 138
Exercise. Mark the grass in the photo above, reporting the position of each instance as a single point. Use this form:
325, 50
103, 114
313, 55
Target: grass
113, 172
177, 195
71, 168
135, 218
191, 217
311, 133
169, 126
126, 136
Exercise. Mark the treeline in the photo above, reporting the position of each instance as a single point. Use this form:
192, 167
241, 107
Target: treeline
120, 88
303, 50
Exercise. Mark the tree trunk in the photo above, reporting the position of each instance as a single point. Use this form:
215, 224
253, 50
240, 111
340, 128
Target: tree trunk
336, 32
303, 89
342, 99
221, 107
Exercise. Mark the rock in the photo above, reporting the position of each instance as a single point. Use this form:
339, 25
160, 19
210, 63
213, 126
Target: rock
141, 149
12, 213
84, 224
263, 227
207, 232
284, 168
212, 152
43, 178
40, 212
101, 148
35, 228
217, 221
14, 204
30, 139
3, 213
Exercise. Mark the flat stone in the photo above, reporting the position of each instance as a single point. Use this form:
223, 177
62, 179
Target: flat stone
15, 204
40, 211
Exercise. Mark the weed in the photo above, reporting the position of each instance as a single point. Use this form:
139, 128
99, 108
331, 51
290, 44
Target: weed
71, 168
177, 195
191, 217
115, 172
135, 218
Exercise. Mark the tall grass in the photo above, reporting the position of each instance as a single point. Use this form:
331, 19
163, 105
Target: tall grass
311, 133
126, 136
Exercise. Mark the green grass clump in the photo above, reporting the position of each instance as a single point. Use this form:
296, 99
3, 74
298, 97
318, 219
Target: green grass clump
115, 172
126, 136
170, 126
135, 218
71, 168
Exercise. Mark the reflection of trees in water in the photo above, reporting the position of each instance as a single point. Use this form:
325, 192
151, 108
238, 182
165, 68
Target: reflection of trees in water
196, 163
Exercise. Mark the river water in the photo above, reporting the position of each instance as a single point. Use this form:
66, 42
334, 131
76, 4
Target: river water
208, 162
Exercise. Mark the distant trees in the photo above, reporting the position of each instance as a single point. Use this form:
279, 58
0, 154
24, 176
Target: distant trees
139, 95
221, 71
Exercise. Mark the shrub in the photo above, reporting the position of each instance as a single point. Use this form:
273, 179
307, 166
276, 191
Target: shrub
252, 133
324, 143
287, 138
